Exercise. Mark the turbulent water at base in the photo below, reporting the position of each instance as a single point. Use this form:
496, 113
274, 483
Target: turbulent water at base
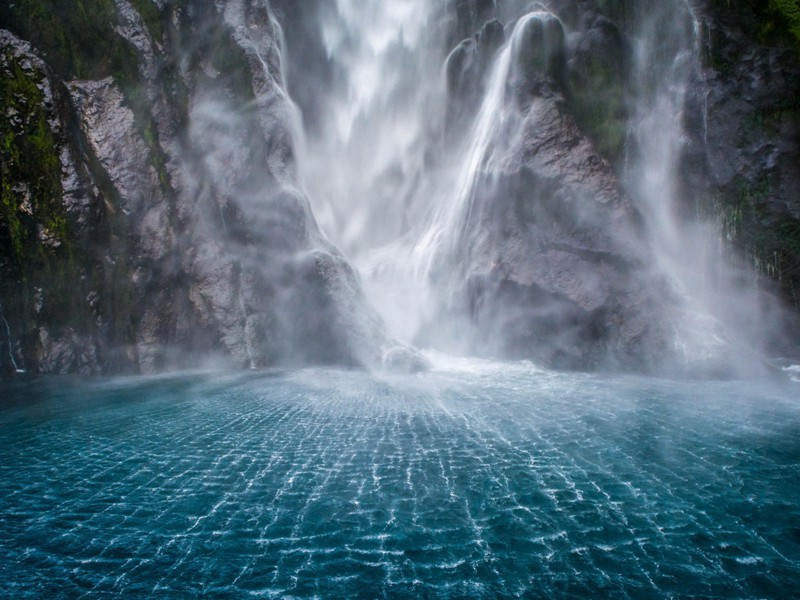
394, 182
476, 480
367, 163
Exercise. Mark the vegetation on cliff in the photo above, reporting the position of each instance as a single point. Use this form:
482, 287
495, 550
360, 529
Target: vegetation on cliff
772, 22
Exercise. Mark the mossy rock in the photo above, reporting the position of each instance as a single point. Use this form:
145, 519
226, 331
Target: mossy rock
40, 265
770, 240
75, 37
30, 199
597, 99
774, 22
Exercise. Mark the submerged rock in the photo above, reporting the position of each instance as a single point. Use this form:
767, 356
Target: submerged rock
402, 359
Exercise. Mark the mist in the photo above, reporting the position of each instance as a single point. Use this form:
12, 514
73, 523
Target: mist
399, 298
477, 234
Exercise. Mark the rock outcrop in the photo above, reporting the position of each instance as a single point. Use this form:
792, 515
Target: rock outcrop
169, 229
549, 264
152, 216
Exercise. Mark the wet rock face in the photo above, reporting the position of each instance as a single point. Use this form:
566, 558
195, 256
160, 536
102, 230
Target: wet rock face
551, 265
554, 270
745, 154
46, 189
175, 206
466, 69
540, 49
465, 17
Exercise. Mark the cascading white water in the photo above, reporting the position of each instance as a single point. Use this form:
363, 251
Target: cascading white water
394, 190
721, 308
369, 168
363, 166
664, 63
410, 275
385, 187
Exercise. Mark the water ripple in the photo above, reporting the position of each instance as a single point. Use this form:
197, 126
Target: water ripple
483, 482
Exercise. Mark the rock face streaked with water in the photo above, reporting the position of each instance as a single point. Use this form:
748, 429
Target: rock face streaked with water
262, 184
587, 184
174, 230
476, 480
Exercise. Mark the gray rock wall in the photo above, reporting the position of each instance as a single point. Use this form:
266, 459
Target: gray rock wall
152, 217
190, 239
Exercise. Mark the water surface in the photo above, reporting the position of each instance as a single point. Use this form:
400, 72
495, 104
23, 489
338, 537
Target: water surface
476, 480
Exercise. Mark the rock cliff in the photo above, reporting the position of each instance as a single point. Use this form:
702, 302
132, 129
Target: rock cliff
151, 215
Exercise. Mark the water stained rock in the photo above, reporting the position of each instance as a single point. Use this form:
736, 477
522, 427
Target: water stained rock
285, 183
185, 195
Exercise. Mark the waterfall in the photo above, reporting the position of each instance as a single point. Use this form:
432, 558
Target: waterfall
362, 167
369, 165
386, 183
424, 262
10, 343
399, 185
723, 308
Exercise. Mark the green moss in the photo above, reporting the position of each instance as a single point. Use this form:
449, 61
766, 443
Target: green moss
31, 192
76, 37
139, 103
785, 18
770, 242
597, 102
78, 40
40, 248
231, 62
37, 240
152, 17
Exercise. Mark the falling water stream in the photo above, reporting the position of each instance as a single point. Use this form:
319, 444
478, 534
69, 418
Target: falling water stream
667, 62
476, 479
9, 342
394, 189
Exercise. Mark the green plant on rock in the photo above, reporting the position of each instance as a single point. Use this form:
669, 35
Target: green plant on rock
31, 169
789, 13
597, 101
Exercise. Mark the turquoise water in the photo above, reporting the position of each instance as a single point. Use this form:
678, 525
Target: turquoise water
477, 480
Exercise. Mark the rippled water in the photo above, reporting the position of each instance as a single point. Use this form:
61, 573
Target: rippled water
477, 480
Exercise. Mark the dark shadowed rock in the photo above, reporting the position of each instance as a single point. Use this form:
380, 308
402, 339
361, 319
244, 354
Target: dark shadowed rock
745, 151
